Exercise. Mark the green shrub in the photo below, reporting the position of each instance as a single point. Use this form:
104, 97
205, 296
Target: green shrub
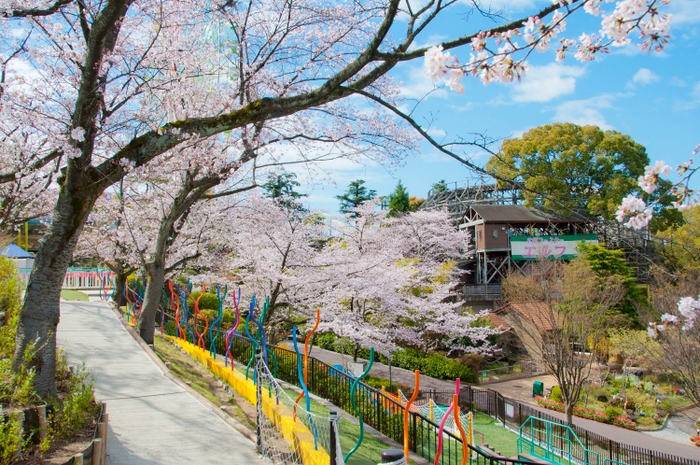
10, 438
435, 366
78, 408
207, 302
74, 409
377, 383
612, 411
325, 341
228, 317
556, 394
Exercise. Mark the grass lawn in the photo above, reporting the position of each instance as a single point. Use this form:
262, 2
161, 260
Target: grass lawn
69, 294
495, 435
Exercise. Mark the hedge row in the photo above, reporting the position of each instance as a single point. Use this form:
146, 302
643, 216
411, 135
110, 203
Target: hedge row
435, 366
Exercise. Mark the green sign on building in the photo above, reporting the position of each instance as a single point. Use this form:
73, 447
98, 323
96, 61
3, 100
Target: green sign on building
548, 247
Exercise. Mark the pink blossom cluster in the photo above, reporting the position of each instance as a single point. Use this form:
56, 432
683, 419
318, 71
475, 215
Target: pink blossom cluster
439, 65
689, 310
498, 56
651, 176
634, 212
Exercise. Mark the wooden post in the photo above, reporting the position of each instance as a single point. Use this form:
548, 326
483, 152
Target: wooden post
102, 433
19, 417
105, 420
97, 451
78, 459
43, 431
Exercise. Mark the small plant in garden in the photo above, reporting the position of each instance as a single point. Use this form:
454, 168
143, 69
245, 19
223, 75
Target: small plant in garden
556, 394
74, 408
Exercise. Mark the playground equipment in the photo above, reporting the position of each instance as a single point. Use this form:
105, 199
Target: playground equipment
554, 442
453, 408
217, 322
433, 412
353, 390
107, 283
416, 389
134, 300
232, 331
303, 378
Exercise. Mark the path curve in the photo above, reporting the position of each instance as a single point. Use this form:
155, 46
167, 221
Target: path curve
152, 420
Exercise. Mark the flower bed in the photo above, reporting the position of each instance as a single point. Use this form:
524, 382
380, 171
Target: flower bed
587, 413
695, 440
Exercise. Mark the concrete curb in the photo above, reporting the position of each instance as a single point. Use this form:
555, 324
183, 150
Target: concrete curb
166, 371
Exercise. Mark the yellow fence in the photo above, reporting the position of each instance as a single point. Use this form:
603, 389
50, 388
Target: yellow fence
295, 433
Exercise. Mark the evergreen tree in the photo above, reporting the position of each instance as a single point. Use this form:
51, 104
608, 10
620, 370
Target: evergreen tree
440, 186
280, 188
399, 201
354, 196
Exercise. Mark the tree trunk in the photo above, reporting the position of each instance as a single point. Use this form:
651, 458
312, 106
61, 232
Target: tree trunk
151, 300
569, 410
35, 342
191, 191
119, 286
355, 352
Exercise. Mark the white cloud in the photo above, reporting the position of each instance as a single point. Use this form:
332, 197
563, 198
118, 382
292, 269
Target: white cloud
676, 81
696, 91
586, 111
684, 12
433, 156
419, 85
692, 101
644, 76
545, 83
436, 133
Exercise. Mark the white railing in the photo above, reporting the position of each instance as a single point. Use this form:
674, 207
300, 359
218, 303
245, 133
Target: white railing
87, 278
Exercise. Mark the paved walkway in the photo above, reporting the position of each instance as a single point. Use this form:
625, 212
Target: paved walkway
679, 426
152, 420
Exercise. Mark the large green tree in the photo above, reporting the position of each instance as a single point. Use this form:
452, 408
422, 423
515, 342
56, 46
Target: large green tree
609, 264
572, 169
354, 196
681, 244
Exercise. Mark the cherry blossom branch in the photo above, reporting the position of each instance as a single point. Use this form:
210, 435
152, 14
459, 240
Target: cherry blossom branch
25, 12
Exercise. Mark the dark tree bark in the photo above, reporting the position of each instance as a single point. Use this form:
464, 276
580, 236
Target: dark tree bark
36, 332
191, 191
122, 274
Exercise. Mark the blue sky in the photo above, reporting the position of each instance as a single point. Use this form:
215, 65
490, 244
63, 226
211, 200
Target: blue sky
654, 98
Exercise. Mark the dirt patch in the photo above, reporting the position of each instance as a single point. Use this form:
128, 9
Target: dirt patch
63, 450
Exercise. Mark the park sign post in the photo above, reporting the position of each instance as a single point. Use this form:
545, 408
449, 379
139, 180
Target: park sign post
548, 247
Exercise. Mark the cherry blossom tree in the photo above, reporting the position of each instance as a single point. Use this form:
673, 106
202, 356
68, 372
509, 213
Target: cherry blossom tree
105, 239
395, 277
269, 251
109, 86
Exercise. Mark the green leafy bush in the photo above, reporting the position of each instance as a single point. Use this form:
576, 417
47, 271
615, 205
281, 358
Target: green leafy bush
435, 366
78, 408
74, 407
207, 302
612, 411
325, 341
556, 394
